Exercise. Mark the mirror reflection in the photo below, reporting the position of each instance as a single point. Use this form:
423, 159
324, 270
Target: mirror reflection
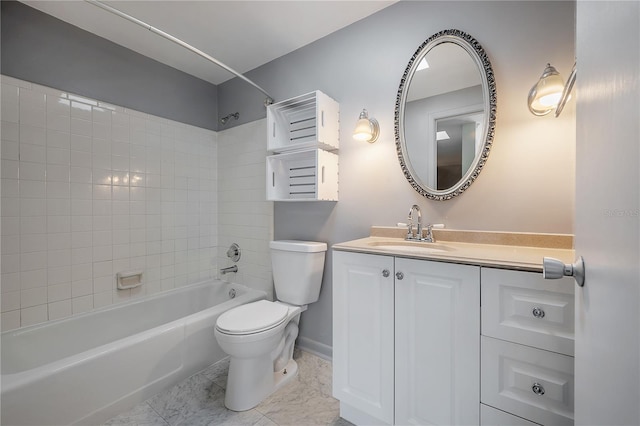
446, 115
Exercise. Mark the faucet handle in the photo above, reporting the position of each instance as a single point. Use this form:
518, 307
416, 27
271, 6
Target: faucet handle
409, 231
429, 237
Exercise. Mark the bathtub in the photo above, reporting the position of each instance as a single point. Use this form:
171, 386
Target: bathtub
87, 368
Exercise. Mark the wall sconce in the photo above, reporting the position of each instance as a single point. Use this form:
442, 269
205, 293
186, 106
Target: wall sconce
550, 92
367, 129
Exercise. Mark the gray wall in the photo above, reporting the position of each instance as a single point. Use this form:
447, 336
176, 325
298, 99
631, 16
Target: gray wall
528, 181
41, 49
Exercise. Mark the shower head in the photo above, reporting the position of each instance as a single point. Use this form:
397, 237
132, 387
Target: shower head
224, 120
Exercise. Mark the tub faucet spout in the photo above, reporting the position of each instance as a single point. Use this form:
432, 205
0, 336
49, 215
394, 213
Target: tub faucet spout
233, 268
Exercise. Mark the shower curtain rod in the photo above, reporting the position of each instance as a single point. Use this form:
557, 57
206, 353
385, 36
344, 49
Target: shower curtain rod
179, 42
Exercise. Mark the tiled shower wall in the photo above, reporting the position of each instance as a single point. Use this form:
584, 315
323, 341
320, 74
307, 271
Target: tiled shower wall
89, 190
245, 217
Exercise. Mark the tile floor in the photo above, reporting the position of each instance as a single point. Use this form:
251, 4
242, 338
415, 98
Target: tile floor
199, 400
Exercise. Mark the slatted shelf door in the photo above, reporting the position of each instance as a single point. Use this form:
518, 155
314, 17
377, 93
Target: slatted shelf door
306, 121
310, 175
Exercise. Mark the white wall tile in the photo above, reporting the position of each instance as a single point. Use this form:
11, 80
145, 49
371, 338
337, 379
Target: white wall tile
82, 287
59, 241
60, 309
33, 315
10, 150
81, 304
58, 156
81, 255
56, 173
102, 299
58, 275
33, 297
58, 206
10, 169
59, 292
10, 320
33, 189
81, 110
32, 242
81, 158
81, 127
80, 143
10, 282
10, 207
90, 189
10, 301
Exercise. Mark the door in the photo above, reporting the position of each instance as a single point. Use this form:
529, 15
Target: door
607, 348
363, 334
437, 343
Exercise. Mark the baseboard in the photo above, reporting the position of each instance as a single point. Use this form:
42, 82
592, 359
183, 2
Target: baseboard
316, 348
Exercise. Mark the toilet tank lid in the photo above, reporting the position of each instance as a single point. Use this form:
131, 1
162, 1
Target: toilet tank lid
303, 246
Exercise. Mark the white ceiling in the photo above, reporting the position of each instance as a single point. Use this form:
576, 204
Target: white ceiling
241, 34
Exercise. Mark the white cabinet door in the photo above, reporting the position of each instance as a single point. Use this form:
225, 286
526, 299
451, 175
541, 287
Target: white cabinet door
363, 333
437, 339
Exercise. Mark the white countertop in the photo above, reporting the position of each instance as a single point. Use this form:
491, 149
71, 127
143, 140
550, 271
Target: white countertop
492, 255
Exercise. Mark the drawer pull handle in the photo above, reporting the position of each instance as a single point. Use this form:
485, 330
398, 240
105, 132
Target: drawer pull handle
537, 389
538, 312
399, 275
385, 273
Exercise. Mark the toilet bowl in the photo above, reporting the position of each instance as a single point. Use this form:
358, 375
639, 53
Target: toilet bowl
259, 337
261, 353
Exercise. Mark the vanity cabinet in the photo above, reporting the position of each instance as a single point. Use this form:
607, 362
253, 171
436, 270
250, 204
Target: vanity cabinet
406, 343
527, 346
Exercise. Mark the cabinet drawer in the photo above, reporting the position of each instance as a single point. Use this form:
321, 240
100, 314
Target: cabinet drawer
525, 308
528, 382
489, 416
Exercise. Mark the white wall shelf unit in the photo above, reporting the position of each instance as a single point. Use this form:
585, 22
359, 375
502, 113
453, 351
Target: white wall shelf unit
309, 175
307, 121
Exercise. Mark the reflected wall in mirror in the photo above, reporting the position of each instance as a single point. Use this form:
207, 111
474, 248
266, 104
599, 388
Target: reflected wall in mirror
445, 115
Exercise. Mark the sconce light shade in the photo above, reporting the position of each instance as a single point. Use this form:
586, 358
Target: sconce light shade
546, 93
367, 129
550, 92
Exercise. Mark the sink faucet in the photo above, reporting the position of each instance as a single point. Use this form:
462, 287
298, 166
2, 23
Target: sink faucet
418, 234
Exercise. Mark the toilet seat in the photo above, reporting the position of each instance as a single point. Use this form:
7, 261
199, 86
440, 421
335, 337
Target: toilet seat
252, 318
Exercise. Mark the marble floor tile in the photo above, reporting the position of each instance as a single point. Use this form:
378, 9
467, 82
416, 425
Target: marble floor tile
140, 415
217, 373
199, 400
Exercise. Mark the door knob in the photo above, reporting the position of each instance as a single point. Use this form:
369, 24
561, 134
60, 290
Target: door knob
553, 269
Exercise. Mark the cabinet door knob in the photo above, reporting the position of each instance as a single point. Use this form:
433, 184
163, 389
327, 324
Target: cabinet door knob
399, 275
385, 273
538, 312
537, 389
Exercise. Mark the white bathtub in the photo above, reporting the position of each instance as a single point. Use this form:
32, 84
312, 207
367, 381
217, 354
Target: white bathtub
87, 368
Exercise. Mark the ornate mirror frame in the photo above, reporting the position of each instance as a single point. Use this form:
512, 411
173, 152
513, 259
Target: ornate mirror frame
478, 54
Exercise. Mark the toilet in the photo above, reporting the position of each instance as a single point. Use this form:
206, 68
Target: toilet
259, 336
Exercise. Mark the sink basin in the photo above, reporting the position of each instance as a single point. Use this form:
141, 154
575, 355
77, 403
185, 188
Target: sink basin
416, 246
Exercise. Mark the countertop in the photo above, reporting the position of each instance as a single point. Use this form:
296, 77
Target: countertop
510, 256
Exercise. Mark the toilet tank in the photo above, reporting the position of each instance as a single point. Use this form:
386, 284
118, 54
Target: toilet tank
297, 270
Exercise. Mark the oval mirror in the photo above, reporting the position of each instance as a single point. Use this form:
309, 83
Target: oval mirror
445, 115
